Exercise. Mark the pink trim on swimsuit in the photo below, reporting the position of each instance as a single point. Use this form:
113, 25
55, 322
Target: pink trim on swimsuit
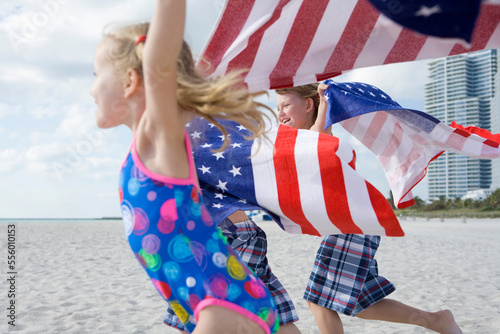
236, 308
165, 179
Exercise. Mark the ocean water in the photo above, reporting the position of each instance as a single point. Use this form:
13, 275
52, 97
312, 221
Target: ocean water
55, 220
256, 215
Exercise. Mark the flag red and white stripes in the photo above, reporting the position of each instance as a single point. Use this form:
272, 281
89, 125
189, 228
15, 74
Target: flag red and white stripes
318, 192
405, 141
293, 42
303, 179
405, 151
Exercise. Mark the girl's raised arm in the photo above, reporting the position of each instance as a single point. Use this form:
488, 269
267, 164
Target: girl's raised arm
161, 50
160, 135
319, 125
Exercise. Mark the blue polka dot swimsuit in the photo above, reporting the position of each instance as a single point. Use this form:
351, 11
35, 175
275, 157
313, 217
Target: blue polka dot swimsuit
186, 256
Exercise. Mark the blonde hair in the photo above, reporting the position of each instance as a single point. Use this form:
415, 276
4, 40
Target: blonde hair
305, 92
222, 97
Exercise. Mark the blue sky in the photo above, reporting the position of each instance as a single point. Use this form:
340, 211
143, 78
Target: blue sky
54, 161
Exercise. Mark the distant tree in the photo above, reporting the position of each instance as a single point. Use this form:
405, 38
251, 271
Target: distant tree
476, 204
493, 200
391, 200
450, 203
457, 203
419, 203
469, 203
439, 204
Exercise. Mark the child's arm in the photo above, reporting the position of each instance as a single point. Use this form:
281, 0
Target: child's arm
160, 135
161, 50
319, 125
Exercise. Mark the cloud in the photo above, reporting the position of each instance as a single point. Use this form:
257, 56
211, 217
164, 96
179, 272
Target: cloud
8, 110
31, 24
35, 85
76, 146
78, 123
48, 45
47, 123
201, 16
10, 159
37, 137
62, 161
50, 140
45, 153
18, 72
43, 111
102, 168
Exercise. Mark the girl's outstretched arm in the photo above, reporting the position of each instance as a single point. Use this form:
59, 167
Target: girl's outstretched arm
161, 50
319, 125
160, 137
165, 36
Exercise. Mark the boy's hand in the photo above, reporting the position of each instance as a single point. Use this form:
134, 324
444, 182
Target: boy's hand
321, 91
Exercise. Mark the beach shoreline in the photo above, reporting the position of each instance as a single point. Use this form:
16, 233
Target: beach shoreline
81, 277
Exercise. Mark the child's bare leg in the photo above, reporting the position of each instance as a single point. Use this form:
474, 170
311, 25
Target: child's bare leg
394, 311
284, 329
217, 320
328, 321
288, 329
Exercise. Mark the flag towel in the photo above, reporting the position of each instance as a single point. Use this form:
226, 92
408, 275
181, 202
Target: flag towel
303, 179
283, 43
404, 140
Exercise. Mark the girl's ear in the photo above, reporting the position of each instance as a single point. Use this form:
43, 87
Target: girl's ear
132, 82
309, 105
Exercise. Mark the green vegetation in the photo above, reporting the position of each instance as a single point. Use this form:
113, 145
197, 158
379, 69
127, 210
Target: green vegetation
453, 207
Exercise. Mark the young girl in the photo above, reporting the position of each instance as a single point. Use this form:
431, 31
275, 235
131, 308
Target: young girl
250, 242
345, 274
168, 227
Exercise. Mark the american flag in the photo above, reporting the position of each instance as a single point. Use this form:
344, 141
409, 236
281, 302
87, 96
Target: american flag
404, 140
293, 42
443, 18
303, 179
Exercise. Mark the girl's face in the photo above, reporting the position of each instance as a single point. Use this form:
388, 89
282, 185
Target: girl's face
294, 111
108, 92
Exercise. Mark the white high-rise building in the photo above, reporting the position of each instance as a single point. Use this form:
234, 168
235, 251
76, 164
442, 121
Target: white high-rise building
463, 88
495, 128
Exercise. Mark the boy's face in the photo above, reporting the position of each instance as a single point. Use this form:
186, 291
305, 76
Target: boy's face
108, 92
294, 111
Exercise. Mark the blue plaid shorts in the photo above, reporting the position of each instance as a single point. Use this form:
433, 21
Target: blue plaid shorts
250, 242
345, 274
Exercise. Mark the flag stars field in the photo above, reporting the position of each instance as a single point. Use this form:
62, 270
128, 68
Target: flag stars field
222, 137
222, 186
219, 195
428, 11
204, 169
235, 171
195, 135
219, 155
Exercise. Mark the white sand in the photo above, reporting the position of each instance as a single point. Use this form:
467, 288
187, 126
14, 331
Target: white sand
82, 277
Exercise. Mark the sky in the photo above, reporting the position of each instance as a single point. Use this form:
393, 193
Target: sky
54, 161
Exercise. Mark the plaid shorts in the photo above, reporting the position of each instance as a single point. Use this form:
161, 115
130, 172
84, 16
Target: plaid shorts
345, 274
250, 242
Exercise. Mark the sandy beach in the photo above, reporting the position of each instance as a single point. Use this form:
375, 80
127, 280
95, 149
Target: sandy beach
82, 277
